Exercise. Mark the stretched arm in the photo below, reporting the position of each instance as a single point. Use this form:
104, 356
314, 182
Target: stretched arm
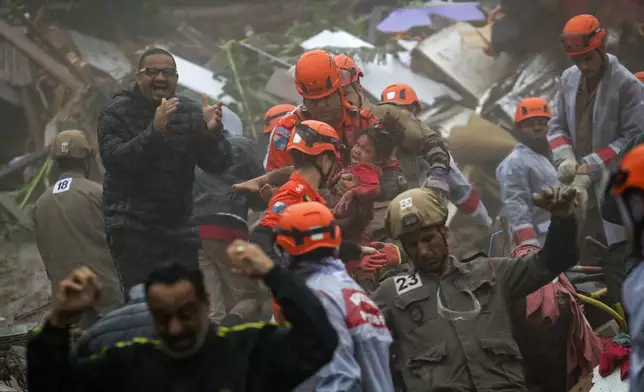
559, 137
517, 204
523, 275
631, 124
122, 152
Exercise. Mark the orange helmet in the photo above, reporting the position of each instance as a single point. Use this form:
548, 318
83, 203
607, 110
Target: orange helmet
401, 93
582, 34
630, 174
349, 70
305, 227
627, 185
316, 74
640, 76
532, 107
314, 137
274, 114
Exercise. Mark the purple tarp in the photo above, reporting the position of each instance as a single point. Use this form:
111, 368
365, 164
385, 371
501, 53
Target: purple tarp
404, 19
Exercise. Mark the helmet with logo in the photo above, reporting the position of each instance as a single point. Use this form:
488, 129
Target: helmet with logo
313, 137
401, 93
640, 76
71, 144
274, 114
305, 227
316, 75
413, 210
349, 70
582, 34
532, 107
627, 186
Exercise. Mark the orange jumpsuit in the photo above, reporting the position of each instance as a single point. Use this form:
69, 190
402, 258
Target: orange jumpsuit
295, 190
278, 157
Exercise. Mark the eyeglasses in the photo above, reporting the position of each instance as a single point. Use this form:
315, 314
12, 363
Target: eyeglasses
574, 42
153, 71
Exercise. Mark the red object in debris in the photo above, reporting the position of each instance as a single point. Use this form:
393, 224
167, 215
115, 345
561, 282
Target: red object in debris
616, 355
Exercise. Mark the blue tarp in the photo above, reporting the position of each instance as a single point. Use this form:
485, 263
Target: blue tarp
404, 19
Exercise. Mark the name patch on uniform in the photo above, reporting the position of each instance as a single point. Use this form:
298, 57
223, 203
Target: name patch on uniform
407, 283
361, 310
279, 207
62, 185
280, 138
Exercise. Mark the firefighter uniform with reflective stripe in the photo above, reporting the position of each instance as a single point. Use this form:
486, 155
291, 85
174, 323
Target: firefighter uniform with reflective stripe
246, 357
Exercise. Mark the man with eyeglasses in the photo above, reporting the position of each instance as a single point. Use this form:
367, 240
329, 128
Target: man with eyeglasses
448, 317
150, 141
599, 107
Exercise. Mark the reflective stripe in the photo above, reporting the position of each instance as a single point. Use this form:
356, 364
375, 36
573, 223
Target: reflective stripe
223, 331
125, 343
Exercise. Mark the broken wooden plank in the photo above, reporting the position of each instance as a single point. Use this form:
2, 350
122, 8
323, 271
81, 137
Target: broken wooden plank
40, 57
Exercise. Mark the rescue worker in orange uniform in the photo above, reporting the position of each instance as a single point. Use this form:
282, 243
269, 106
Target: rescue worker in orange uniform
277, 137
318, 80
315, 148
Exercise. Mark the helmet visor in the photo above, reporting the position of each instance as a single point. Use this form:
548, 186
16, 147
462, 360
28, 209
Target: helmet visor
310, 137
575, 42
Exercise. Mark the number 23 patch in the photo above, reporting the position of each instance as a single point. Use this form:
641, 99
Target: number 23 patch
407, 283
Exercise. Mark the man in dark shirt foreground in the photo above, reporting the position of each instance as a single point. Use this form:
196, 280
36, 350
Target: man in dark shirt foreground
191, 354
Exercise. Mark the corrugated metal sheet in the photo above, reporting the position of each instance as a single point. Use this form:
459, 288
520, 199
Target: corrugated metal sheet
469, 70
536, 77
102, 55
15, 67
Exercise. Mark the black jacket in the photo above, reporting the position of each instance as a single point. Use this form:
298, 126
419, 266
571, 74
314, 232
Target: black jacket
246, 357
215, 201
149, 176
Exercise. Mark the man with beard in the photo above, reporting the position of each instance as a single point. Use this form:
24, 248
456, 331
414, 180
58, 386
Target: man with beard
525, 171
191, 354
150, 141
598, 109
449, 317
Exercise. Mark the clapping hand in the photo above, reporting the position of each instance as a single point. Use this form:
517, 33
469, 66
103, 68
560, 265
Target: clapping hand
212, 114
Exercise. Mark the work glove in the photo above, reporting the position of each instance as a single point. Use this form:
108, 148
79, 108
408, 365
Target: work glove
559, 201
391, 252
395, 127
582, 182
368, 263
567, 171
